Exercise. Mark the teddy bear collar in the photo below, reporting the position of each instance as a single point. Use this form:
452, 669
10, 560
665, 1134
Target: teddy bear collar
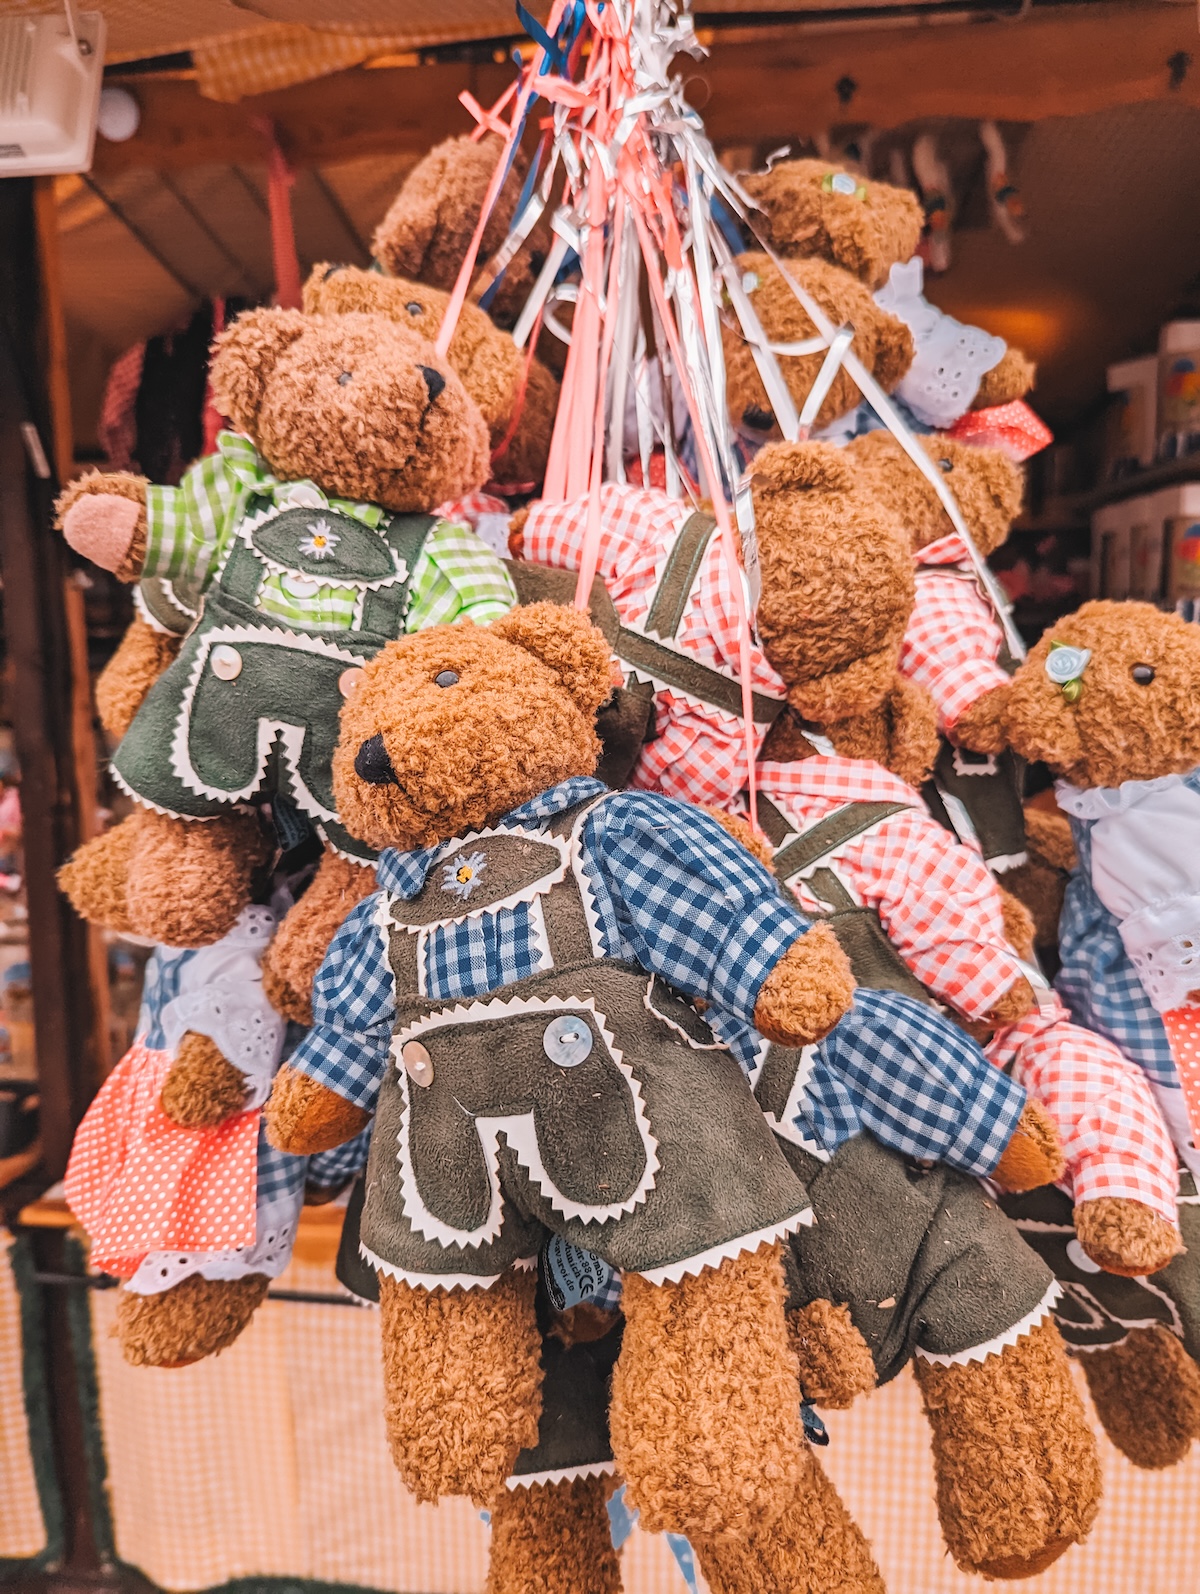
1102, 802
404, 873
247, 466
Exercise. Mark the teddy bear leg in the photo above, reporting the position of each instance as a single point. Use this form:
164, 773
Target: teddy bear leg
462, 1383
191, 1320
303, 938
705, 1418
815, 1547
1124, 1236
1146, 1392
202, 1087
190, 878
141, 657
1018, 1477
553, 1538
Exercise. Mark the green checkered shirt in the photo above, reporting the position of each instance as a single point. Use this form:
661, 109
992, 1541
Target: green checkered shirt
189, 529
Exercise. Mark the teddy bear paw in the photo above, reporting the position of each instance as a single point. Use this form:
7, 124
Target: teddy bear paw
202, 1087
807, 992
1124, 1236
836, 1365
1034, 1155
304, 1116
102, 527
192, 1320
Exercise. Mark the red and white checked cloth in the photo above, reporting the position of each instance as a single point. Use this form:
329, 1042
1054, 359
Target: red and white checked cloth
699, 752
1113, 1136
953, 640
941, 908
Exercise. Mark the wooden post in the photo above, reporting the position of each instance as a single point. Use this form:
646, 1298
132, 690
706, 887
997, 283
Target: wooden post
34, 568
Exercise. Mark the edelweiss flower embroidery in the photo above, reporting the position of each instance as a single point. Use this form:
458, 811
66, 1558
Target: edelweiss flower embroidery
461, 875
321, 540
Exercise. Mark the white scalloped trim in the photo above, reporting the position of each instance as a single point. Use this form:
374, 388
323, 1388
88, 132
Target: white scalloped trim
1005, 861
291, 737
168, 591
716, 1254
518, 1128
591, 1469
587, 893
993, 1347
443, 1281
688, 1040
350, 857
524, 893
252, 523
786, 1128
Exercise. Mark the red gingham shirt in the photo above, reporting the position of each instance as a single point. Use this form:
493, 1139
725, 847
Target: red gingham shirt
953, 639
699, 752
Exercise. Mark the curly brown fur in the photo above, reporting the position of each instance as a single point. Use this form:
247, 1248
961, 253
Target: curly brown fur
867, 231
300, 943
1012, 378
1018, 1477
304, 1116
487, 360
142, 655
107, 484
202, 1088
582, 1324
540, 672
1013, 1005
1124, 1236
193, 1319
344, 399
807, 992
95, 878
987, 485
900, 733
1146, 1392
1117, 729
815, 1547
1018, 924
1040, 883
553, 1538
462, 1383
882, 342
834, 1359
705, 1405
189, 879
1034, 1155
837, 581
1048, 834
980, 727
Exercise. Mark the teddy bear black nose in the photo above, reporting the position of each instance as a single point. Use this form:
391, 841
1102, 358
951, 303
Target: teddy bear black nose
372, 764
758, 420
434, 381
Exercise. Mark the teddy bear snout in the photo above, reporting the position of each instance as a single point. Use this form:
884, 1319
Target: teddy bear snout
372, 764
433, 380
758, 420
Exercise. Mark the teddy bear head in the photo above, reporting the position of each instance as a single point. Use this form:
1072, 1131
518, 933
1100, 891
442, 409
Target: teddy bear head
837, 581
882, 342
1109, 694
450, 728
814, 208
488, 362
986, 483
358, 403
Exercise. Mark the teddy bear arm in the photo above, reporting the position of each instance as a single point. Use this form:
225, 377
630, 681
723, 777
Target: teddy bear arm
141, 657
1048, 833
807, 992
202, 1087
912, 732
1034, 1155
103, 517
835, 1361
1011, 379
304, 1117
981, 728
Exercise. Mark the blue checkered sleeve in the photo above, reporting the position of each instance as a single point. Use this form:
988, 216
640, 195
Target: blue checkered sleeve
329, 1168
279, 1173
920, 1085
354, 1004
674, 892
1098, 982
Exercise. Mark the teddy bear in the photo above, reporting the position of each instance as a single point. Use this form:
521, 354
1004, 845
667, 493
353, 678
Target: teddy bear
521, 900
1108, 700
307, 537
517, 396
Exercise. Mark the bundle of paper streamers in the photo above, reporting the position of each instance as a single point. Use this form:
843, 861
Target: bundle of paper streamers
646, 229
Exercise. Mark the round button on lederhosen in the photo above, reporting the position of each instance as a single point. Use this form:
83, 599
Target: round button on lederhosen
299, 586
226, 662
567, 1041
417, 1063
349, 679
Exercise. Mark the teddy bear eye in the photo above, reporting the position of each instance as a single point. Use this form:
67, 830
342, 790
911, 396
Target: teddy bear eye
946, 464
1143, 674
446, 678
413, 307
346, 376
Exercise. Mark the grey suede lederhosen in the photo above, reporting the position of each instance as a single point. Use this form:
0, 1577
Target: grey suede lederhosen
586, 1100
246, 680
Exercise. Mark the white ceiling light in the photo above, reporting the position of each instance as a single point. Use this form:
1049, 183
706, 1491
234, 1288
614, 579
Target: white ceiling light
50, 72
119, 115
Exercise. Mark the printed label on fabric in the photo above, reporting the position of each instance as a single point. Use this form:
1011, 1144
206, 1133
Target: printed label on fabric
571, 1274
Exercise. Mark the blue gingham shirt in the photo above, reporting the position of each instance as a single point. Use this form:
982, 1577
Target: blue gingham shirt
1097, 981
676, 894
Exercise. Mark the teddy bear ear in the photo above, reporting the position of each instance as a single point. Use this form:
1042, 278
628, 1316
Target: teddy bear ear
244, 357
811, 467
567, 642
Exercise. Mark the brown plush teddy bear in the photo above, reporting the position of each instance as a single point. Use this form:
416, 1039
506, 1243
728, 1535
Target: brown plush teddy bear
525, 950
308, 540
517, 399
1108, 698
